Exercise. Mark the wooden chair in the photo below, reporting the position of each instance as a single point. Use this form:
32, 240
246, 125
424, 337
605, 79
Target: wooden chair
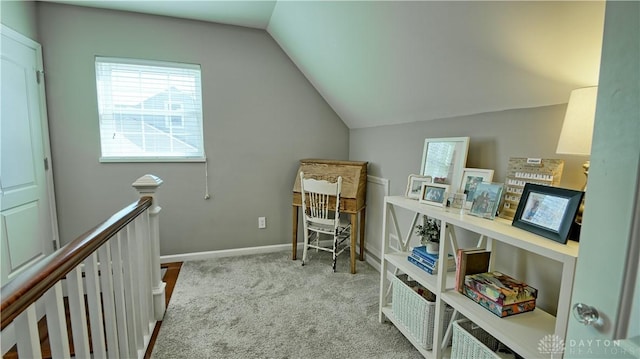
318, 198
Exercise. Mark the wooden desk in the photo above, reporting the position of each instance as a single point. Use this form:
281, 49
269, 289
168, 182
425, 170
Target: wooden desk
352, 199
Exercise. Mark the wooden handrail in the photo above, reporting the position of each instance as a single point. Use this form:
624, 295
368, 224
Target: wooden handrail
33, 282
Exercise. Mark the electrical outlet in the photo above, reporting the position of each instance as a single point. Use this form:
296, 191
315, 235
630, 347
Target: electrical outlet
262, 222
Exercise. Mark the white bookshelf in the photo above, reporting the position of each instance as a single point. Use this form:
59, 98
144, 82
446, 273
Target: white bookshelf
522, 332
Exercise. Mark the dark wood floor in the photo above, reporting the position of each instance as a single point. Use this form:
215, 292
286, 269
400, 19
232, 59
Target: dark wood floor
171, 271
170, 277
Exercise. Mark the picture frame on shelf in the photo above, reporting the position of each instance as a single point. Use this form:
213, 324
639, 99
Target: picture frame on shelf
521, 170
444, 159
434, 194
414, 185
457, 202
547, 211
471, 177
486, 200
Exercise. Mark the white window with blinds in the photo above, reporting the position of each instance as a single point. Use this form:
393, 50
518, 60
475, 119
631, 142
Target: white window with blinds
149, 111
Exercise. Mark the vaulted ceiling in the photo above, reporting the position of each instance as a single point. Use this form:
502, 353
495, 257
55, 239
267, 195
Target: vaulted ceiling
389, 62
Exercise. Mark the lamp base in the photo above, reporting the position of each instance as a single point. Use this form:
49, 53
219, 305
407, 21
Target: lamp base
574, 231
576, 227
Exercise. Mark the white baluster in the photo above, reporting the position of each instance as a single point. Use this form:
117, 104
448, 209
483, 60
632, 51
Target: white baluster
108, 299
28, 339
78, 313
7, 339
135, 265
131, 303
95, 306
57, 322
118, 293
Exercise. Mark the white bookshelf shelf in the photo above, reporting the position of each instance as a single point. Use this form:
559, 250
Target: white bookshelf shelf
522, 332
429, 281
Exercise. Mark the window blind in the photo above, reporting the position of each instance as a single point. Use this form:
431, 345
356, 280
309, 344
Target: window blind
439, 164
149, 110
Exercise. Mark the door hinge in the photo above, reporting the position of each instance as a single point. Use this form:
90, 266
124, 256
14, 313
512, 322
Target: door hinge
39, 76
46, 164
55, 245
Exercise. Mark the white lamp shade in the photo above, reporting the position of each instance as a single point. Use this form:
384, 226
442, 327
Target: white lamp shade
577, 129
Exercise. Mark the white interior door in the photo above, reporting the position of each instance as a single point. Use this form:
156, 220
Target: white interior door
606, 283
28, 226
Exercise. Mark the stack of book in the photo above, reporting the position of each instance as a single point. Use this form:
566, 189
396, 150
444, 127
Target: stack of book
500, 294
428, 261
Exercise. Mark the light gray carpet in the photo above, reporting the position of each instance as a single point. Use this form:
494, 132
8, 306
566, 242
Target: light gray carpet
268, 306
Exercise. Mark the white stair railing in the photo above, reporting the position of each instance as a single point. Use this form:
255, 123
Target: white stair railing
111, 277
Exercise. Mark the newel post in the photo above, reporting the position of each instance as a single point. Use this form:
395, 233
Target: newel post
146, 187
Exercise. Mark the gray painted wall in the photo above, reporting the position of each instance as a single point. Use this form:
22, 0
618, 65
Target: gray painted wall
395, 152
20, 16
261, 116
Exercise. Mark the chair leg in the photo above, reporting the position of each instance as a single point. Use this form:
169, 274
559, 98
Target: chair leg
304, 249
335, 250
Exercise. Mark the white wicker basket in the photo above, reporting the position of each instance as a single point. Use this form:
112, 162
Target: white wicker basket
415, 313
472, 342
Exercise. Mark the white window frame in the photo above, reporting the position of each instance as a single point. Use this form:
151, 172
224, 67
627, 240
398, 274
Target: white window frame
108, 111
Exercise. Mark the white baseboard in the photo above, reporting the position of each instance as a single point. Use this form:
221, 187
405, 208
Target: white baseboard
372, 260
224, 253
369, 258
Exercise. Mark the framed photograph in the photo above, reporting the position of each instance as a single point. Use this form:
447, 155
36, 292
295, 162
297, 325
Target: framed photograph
434, 194
547, 211
444, 159
414, 185
486, 200
471, 177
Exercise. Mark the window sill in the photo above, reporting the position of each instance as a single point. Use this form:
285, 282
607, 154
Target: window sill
150, 159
